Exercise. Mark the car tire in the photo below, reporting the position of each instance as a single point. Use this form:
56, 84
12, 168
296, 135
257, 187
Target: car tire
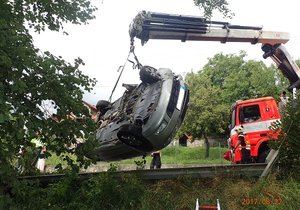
149, 75
131, 135
262, 156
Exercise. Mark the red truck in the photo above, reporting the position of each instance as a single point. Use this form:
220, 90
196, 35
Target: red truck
256, 116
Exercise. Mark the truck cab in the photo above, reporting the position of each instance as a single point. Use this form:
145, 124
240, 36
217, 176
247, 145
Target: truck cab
256, 116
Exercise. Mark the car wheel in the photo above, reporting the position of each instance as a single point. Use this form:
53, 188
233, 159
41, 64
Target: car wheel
132, 136
149, 75
262, 156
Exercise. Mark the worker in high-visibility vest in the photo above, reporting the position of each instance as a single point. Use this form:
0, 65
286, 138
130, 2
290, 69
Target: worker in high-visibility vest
245, 145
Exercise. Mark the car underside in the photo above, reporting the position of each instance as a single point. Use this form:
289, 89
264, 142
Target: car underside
145, 118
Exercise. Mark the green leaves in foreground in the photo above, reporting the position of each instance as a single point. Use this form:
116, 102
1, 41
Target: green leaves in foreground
39, 91
288, 142
111, 191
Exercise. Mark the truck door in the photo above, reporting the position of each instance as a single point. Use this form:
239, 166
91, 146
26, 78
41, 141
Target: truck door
250, 116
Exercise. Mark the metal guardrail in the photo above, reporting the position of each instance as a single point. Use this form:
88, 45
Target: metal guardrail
271, 159
250, 170
247, 170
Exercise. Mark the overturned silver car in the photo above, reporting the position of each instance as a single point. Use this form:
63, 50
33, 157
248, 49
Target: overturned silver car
145, 118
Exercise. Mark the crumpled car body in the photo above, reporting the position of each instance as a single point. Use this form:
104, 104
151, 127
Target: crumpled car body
145, 118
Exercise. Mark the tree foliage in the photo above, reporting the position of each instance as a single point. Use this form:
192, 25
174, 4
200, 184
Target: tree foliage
33, 83
110, 192
240, 79
206, 111
288, 140
209, 6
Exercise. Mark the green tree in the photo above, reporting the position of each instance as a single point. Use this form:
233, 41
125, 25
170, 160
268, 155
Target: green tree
252, 80
31, 80
206, 111
241, 79
209, 6
219, 67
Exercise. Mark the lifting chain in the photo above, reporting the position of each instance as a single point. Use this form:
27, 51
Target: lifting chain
138, 65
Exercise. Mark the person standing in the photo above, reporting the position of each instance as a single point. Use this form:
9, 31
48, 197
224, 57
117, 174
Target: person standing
245, 146
156, 160
283, 101
41, 162
20, 160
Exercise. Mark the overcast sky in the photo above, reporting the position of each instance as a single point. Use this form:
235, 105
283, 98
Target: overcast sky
103, 44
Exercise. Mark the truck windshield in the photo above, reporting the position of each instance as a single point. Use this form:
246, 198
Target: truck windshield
249, 114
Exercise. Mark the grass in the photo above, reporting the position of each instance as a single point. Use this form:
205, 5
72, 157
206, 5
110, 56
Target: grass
108, 191
187, 155
54, 159
169, 155
233, 193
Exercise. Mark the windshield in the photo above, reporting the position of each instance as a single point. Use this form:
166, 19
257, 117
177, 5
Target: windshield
249, 114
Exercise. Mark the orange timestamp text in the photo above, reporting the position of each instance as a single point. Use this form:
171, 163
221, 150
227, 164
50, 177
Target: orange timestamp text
261, 201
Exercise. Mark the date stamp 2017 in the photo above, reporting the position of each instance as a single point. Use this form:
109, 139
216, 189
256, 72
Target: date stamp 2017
261, 201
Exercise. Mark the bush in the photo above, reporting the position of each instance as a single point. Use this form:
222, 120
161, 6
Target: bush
106, 191
289, 141
113, 192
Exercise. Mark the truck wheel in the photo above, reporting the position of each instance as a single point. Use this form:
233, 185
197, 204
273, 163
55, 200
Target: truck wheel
262, 156
132, 136
149, 75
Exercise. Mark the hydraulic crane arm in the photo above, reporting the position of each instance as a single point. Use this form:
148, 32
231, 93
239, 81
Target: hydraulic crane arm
284, 62
150, 25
